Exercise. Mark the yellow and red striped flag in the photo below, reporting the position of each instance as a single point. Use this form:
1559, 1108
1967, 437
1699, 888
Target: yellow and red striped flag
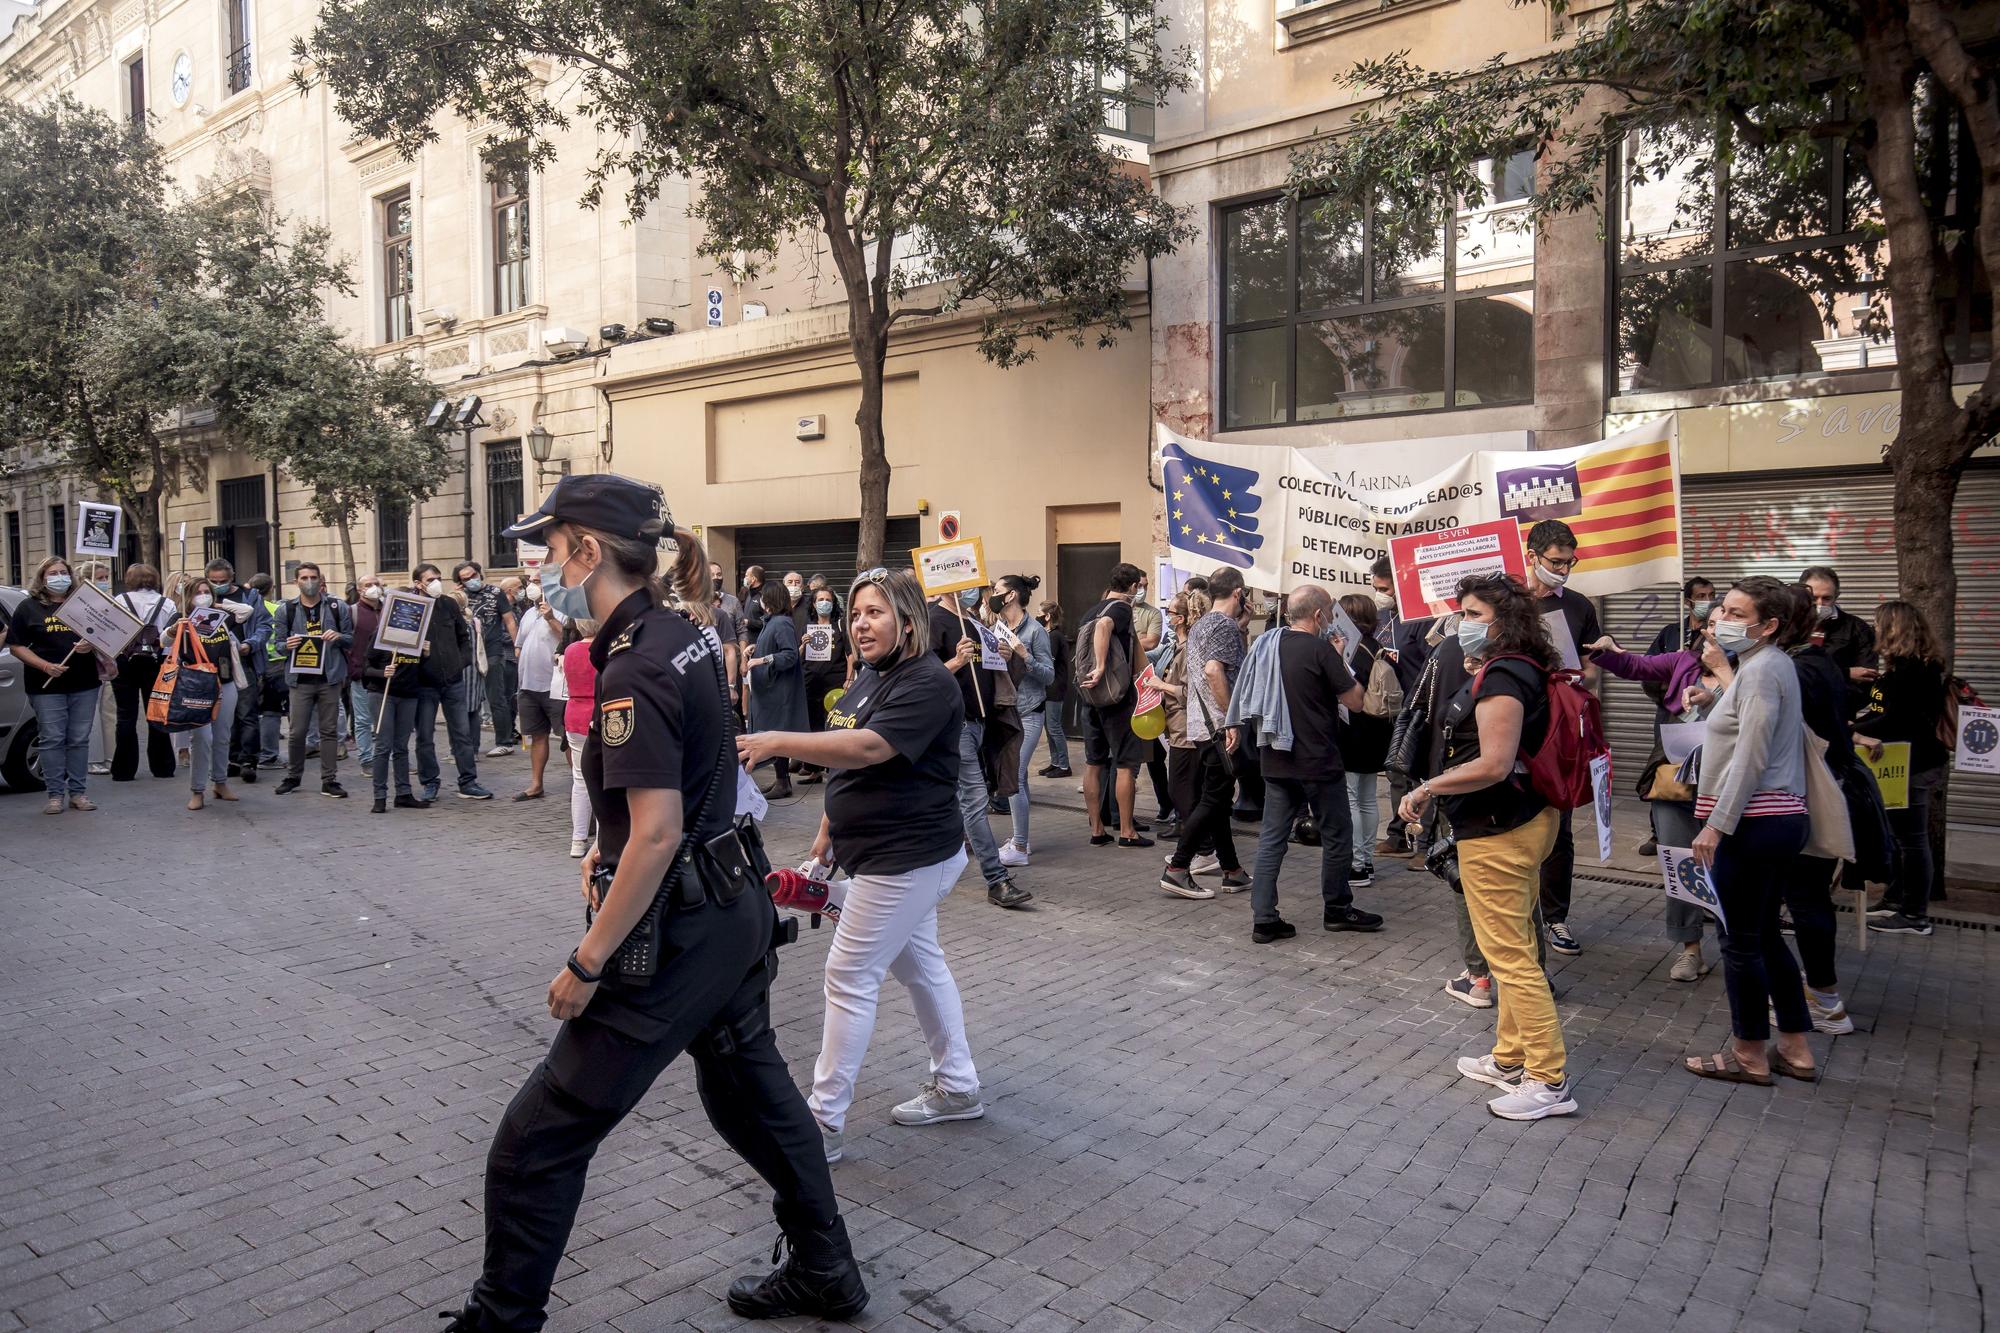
1620, 496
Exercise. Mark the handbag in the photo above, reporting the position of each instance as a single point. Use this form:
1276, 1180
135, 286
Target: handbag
637, 958
185, 693
1409, 741
1215, 733
1832, 834
1660, 781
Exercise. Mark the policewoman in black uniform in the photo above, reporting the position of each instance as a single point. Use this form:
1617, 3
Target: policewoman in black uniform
658, 754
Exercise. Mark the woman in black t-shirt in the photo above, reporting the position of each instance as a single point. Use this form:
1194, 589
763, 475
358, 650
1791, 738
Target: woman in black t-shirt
62, 684
1906, 702
1504, 833
892, 823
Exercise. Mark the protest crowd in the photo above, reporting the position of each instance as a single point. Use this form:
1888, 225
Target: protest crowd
1221, 727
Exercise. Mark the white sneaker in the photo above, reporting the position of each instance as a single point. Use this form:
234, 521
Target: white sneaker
933, 1105
499, 752
1534, 1101
1205, 865
1486, 1069
834, 1142
1831, 1019
578, 847
1689, 966
1012, 854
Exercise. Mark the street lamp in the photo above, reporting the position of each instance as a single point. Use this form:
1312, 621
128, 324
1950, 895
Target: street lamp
541, 444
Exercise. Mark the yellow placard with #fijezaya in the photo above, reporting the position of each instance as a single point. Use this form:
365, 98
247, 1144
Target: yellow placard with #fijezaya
949, 566
1892, 773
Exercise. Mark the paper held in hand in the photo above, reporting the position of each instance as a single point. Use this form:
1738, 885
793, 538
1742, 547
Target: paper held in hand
406, 619
1687, 881
1600, 794
99, 620
1565, 642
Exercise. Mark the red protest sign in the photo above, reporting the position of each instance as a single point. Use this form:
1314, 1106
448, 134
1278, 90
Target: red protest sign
1429, 565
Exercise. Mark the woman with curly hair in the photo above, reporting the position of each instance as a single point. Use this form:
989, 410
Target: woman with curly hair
1906, 702
1504, 832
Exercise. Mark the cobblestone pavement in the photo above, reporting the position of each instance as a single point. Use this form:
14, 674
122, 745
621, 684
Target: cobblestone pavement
255, 1054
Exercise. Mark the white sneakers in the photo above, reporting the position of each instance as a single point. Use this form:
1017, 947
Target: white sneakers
1013, 854
1689, 965
1525, 1098
933, 1105
1205, 865
578, 847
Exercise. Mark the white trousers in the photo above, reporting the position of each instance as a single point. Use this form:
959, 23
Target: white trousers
579, 794
889, 925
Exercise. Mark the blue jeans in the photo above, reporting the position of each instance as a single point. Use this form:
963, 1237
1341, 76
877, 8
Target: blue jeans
457, 726
1363, 812
399, 722
364, 706
1017, 804
972, 804
1285, 799
1058, 742
62, 735
209, 745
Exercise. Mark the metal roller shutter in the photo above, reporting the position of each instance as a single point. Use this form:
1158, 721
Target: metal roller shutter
1778, 523
820, 548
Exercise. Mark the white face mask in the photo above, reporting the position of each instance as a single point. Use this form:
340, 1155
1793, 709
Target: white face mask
434, 587
1549, 576
1384, 601
202, 601
372, 593
532, 592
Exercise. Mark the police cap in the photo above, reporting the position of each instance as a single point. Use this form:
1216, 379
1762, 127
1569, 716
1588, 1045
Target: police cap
602, 501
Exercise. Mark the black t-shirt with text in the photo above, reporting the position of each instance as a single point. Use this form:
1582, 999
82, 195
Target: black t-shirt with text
1510, 802
901, 814
40, 629
659, 722
1314, 678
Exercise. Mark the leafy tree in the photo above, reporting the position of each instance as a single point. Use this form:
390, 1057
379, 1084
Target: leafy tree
119, 305
946, 155
1668, 89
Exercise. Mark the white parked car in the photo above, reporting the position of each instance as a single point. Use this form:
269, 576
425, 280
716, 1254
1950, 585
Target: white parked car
20, 768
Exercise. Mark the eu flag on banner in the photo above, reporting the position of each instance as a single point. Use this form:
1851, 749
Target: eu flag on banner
1211, 507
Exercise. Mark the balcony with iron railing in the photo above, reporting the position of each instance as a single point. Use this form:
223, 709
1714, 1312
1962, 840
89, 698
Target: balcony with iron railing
239, 69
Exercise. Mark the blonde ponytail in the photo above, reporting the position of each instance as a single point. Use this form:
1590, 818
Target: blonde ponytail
688, 580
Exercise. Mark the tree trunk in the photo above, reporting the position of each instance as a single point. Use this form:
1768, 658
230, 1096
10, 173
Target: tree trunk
346, 527
871, 357
1926, 490
144, 516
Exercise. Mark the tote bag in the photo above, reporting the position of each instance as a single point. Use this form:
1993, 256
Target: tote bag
1832, 834
186, 692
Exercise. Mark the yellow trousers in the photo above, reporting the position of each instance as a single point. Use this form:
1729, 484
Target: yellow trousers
1502, 875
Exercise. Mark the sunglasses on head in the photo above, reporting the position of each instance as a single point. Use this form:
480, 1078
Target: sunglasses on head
879, 574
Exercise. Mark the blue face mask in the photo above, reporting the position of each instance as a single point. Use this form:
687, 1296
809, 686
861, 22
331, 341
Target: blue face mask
969, 598
1472, 636
57, 583
824, 608
569, 603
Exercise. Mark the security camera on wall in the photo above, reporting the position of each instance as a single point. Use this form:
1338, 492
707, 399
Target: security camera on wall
565, 342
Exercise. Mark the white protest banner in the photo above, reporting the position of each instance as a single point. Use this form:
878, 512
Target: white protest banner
98, 620
818, 643
97, 528
1687, 881
1288, 517
1600, 799
1006, 636
406, 619
1558, 627
1427, 568
1978, 749
949, 566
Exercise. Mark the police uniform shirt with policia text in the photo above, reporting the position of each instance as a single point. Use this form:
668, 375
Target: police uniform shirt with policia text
659, 721
901, 814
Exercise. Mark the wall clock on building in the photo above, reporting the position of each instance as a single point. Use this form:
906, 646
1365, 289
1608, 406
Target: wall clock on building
183, 83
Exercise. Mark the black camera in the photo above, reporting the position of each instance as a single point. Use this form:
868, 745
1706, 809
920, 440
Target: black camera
1442, 860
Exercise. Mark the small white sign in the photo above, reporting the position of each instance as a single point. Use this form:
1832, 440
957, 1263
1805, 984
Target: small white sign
1679, 739
97, 528
1978, 749
990, 656
1687, 881
98, 620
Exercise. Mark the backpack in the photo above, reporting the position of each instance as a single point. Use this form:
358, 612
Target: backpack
1559, 769
147, 644
1385, 689
1116, 682
1958, 693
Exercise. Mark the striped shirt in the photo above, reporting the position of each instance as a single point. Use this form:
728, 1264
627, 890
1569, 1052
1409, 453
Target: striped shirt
1760, 803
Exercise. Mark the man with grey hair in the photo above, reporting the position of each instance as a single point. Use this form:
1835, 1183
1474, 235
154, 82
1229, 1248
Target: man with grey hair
1302, 766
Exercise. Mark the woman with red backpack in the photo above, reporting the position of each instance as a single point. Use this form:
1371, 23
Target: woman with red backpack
1503, 829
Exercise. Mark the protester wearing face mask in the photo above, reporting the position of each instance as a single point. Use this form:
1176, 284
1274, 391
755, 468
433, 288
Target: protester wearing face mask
1552, 551
361, 702
777, 680
1504, 831
1008, 604
62, 683
216, 623
580, 676
1906, 702
442, 686
496, 619
316, 632
1848, 640
251, 635
728, 612
1388, 630
795, 592
957, 645
1751, 801
1051, 620
828, 663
